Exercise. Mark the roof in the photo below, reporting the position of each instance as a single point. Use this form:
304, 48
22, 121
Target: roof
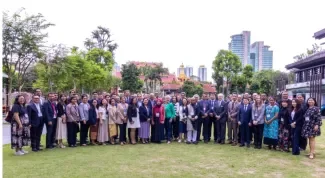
320, 34
312, 60
171, 86
117, 75
142, 64
208, 88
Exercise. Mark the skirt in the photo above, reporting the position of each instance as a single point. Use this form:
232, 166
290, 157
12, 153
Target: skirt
102, 132
61, 130
144, 130
93, 131
112, 130
20, 137
182, 127
136, 123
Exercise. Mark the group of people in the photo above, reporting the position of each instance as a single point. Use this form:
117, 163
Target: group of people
105, 118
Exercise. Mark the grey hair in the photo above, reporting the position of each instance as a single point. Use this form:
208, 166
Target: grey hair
167, 96
196, 96
220, 94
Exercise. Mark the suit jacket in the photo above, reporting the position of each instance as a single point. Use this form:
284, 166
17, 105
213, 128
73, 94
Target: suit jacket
144, 113
61, 109
92, 116
233, 112
48, 111
72, 113
298, 118
220, 110
203, 107
122, 113
245, 116
32, 112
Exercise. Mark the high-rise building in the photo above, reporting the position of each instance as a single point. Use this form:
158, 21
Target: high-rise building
188, 71
202, 73
240, 45
261, 58
116, 69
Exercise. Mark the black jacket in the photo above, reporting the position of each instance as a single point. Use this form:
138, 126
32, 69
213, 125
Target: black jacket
48, 111
285, 115
298, 118
144, 115
92, 116
132, 112
32, 112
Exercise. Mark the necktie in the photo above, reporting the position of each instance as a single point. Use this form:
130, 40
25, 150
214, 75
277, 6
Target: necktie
54, 111
245, 107
233, 105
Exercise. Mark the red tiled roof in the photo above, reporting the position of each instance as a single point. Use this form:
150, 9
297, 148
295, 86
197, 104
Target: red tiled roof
171, 87
165, 79
142, 64
208, 88
118, 75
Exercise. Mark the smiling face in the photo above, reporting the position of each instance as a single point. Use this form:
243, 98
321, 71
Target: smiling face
311, 102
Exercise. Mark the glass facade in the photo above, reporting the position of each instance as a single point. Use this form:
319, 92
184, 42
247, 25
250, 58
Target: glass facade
267, 58
202, 73
261, 57
240, 45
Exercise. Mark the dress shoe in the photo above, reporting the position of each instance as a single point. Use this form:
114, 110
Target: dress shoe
255, 147
205, 141
234, 144
188, 142
259, 147
49, 147
39, 149
222, 142
195, 143
241, 145
215, 142
230, 142
34, 150
248, 145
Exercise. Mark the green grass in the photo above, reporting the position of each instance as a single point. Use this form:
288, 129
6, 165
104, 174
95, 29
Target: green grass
174, 160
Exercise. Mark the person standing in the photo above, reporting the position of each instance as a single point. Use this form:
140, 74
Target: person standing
157, 128
145, 118
20, 126
296, 123
212, 118
191, 123
220, 113
122, 119
102, 136
72, 122
61, 129
84, 117
183, 113
50, 115
204, 109
35, 115
112, 118
284, 127
233, 108
133, 119
169, 115
313, 122
175, 122
303, 140
271, 126
258, 115
244, 122
93, 121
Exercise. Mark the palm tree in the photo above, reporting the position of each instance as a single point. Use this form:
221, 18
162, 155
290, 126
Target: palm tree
157, 72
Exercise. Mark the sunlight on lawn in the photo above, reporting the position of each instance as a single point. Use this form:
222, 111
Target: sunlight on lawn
174, 160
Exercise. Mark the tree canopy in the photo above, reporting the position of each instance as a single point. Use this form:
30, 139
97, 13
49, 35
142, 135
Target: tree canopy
190, 88
130, 78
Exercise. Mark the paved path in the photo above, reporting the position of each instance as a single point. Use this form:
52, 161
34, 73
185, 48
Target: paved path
6, 138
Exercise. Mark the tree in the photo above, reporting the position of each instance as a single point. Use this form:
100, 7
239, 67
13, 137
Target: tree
130, 78
226, 65
238, 84
190, 88
23, 38
101, 57
247, 75
101, 38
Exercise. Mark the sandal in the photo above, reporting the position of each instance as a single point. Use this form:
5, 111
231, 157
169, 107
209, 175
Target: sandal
311, 156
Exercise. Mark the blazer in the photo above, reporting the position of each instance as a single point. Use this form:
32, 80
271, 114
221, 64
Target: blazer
131, 112
220, 110
92, 116
204, 107
298, 118
72, 113
48, 111
192, 114
122, 113
112, 114
83, 111
232, 112
144, 113
183, 113
258, 114
61, 109
32, 113
245, 116
284, 117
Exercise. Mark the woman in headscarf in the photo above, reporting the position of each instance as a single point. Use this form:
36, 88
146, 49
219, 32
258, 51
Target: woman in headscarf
157, 128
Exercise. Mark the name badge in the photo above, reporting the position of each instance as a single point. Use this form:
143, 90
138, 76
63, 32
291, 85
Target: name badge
204, 109
282, 120
268, 115
157, 114
307, 119
26, 115
256, 115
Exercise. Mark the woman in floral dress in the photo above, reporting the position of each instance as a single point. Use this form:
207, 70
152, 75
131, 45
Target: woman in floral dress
20, 126
284, 128
311, 127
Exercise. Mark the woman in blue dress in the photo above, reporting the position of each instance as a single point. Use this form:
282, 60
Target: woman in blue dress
271, 126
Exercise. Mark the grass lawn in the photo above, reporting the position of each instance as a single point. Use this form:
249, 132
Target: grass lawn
174, 160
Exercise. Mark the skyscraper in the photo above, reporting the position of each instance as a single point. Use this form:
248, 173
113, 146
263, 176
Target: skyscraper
240, 45
188, 71
261, 57
202, 73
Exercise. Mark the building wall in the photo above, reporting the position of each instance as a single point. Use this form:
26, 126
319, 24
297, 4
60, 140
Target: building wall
261, 57
202, 74
188, 71
240, 45
267, 58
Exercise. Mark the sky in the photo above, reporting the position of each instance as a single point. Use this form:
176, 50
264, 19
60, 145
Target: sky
182, 31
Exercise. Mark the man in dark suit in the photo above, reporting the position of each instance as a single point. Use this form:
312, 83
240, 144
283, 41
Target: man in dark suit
204, 108
221, 119
212, 117
35, 114
244, 121
50, 119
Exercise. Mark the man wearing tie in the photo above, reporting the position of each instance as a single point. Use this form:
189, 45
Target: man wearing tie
204, 108
50, 119
212, 118
233, 107
244, 121
127, 96
35, 114
221, 119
